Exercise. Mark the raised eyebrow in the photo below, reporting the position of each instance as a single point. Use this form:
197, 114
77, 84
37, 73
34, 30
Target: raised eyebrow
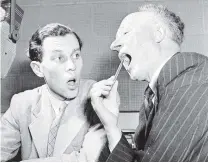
56, 51
77, 49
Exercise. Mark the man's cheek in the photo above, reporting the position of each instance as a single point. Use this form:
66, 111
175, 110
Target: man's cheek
79, 69
54, 75
134, 71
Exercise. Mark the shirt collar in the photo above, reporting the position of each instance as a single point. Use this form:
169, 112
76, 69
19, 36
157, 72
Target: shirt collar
56, 103
153, 81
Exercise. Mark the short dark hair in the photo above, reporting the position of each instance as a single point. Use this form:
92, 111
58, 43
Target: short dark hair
174, 22
53, 29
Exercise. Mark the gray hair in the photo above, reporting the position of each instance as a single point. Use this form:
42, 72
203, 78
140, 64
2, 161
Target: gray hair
174, 23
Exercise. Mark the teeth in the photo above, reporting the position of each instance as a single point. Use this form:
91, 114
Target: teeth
71, 82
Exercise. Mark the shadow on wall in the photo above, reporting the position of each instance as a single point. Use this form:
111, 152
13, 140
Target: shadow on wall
23, 79
103, 67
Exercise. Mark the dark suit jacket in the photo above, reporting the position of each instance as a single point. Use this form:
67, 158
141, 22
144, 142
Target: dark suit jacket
177, 129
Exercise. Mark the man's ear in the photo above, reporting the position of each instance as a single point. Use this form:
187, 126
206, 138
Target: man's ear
160, 33
37, 69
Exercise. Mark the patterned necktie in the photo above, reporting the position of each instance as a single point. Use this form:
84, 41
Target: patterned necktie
148, 103
145, 116
54, 130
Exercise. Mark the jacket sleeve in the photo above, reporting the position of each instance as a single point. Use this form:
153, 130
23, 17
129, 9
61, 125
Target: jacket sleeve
121, 153
10, 132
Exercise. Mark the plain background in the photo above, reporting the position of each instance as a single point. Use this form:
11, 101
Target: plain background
96, 22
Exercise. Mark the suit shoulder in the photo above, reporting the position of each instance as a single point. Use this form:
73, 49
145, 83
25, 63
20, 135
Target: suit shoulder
187, 67
32, 92
192, 55
86, 84
27, 95
20, 102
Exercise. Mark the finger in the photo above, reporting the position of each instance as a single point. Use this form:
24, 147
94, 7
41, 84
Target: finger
102, 84
108, 82
115, 86
107, 88
114, 91
105, 93
112, 77
96, 93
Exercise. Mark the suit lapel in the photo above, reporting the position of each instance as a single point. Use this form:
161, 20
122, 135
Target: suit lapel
70, 126
41, 120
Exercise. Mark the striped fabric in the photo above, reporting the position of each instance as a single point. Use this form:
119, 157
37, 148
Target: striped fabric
179, 128
54, 130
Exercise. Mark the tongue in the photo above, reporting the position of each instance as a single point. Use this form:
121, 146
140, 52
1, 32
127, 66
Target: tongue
71, 82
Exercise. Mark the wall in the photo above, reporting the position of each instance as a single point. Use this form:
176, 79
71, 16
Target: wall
96, 21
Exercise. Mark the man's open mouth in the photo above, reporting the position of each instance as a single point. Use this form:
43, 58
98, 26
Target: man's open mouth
126, 57
71, 82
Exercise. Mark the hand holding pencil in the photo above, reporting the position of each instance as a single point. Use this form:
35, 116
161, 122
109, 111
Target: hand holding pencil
105, 101
104, 93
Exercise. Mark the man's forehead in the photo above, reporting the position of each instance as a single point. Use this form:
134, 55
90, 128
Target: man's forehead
61, 43
131, 17
129, 20
60, 40
128, 23
134, 20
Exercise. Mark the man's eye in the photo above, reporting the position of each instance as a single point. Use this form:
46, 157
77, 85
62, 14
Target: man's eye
59, 59
75, 55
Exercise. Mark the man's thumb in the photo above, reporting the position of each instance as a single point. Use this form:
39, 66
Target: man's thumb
115, 86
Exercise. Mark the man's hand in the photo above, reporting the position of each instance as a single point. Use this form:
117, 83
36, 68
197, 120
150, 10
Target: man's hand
94, 142
105, 101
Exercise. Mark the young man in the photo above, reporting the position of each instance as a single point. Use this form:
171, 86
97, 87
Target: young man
51, 122
173, 123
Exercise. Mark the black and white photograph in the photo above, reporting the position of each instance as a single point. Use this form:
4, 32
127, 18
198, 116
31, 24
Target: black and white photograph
104, 81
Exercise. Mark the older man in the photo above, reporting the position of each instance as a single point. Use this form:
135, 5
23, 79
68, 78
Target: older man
173, 123
52, 122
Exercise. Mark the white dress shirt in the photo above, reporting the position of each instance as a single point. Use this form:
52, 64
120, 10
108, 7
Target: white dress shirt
56, 103
153, 81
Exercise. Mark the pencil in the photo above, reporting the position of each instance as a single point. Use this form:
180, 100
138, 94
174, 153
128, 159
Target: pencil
118, 70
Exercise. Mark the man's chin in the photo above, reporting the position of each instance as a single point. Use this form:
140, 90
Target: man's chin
72, 94
136, 76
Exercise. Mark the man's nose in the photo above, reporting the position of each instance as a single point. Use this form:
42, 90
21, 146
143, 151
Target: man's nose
70, 65
115, 46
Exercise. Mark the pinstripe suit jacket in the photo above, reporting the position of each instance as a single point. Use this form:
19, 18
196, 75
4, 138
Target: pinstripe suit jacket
177, 127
